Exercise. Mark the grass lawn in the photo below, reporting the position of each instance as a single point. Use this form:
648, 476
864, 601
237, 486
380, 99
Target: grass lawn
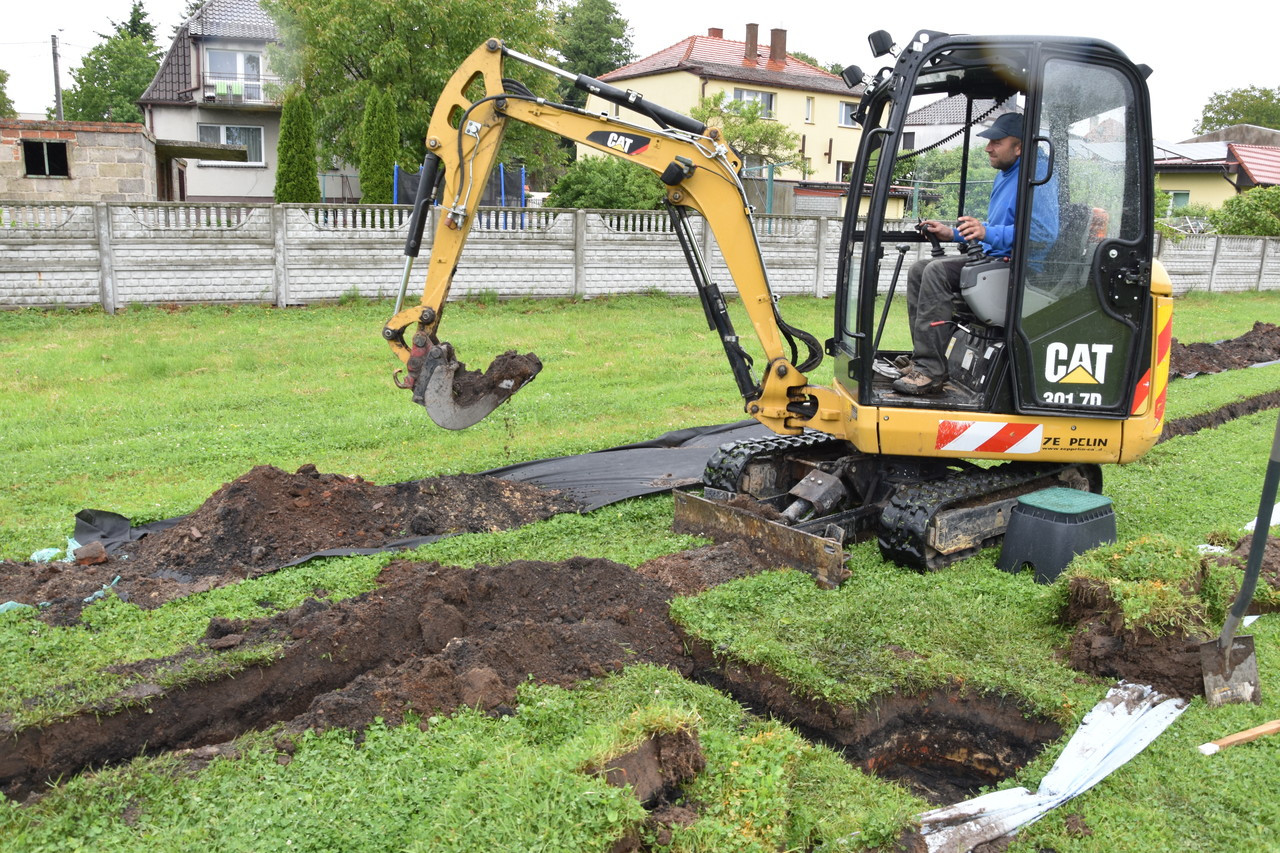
148, 412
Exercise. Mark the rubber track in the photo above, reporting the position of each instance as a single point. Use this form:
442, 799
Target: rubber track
726, 465
904, 523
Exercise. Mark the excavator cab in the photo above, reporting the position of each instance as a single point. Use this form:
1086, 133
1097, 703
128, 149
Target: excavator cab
1064, 327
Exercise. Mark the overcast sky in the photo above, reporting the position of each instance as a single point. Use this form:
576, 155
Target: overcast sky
1192, 57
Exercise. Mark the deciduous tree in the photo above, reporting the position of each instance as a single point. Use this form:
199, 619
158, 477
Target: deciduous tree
342, 50
759, 140
1250, 105
936, 176
114, 73
7, 109
594, 40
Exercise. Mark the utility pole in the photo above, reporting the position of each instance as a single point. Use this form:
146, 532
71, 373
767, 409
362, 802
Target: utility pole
57, 82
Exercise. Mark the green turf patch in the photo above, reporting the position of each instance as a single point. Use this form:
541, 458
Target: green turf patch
889, 629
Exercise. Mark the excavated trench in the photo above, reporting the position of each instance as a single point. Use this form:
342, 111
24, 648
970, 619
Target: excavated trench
945, 745
431, 638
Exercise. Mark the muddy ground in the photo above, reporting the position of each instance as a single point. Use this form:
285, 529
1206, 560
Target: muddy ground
430, 638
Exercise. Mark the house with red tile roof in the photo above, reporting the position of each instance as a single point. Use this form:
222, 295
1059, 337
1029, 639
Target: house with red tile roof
1213, 167
1256, 165
814, 103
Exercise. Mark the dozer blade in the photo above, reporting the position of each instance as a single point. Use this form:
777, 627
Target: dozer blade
457, 398
819, 556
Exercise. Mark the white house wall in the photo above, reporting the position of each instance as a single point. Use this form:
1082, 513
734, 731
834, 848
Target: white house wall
221, 181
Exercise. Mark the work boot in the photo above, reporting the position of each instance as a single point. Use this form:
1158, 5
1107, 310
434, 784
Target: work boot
915, 383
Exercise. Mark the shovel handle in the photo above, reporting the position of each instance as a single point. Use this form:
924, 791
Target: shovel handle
1256, 546
1245, 736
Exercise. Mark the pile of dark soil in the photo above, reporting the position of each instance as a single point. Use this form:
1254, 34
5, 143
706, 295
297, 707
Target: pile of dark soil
1270, 571
269, 518
1259, 345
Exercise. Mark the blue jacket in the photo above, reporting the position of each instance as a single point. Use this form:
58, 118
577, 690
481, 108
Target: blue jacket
1000, 215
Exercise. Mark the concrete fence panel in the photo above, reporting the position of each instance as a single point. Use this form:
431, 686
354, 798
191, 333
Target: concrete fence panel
116, 254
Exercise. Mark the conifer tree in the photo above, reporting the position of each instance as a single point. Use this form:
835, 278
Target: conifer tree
379, 143
296, 181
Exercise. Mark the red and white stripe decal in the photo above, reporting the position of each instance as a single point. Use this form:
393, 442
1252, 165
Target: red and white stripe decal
989, 437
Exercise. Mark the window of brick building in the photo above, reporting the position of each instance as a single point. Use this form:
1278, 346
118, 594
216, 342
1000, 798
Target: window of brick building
45, 159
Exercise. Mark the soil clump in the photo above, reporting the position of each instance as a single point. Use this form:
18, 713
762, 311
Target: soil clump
509, 372
1169, 662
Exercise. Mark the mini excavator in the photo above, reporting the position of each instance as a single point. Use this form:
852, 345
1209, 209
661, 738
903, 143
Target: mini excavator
1056, 367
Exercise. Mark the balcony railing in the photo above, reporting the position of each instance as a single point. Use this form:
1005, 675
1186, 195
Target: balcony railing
240, 89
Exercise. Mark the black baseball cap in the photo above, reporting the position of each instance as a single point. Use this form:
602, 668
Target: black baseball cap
1009, 124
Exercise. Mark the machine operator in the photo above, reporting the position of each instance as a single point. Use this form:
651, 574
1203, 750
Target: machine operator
931, 282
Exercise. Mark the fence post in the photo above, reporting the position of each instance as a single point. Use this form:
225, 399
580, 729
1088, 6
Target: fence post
1213, 263
579, 254
106, 260
280, 255
1262, 263
820, 261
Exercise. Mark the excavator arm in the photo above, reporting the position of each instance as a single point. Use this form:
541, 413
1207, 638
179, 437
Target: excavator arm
700, 173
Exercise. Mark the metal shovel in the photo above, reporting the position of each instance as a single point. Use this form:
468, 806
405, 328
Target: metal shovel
1229, 663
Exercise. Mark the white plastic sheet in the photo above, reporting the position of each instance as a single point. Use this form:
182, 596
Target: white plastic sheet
1117, 729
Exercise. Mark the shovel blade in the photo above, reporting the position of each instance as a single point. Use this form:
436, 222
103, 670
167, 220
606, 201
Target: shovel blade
1230, 678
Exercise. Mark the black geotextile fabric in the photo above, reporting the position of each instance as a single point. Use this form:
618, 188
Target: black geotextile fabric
604, 477
594, 479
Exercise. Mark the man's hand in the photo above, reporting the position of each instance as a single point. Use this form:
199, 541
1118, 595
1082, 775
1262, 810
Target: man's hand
971, 229
939, 229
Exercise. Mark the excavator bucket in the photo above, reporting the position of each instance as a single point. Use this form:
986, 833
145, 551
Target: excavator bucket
457, 398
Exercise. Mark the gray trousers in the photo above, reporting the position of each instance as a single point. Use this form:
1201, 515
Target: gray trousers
930, 285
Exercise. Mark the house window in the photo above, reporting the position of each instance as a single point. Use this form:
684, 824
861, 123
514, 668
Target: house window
235, 74
847, 109
230, 134
908, 141
1179, 199
764, 99
844, 170
808, 110
45, 159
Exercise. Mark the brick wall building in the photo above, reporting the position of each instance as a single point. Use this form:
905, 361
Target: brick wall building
76, 161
